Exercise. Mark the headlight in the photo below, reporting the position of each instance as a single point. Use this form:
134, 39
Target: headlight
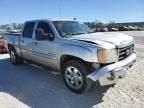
107, 56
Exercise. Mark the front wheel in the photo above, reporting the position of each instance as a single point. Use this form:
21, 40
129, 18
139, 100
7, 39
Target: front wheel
74, 75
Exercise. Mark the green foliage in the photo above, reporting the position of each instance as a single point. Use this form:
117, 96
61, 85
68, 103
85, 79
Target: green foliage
92, 25
112, 24
11, 26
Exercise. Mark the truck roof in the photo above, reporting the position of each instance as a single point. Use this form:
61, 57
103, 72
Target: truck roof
51, 20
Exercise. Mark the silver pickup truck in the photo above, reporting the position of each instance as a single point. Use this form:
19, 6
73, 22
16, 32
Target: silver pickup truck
70, 47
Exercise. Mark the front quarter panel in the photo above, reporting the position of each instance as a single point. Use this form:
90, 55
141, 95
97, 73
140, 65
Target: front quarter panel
82, 52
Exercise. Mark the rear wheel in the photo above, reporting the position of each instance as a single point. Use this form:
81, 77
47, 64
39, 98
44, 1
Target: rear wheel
74, 75
14, 57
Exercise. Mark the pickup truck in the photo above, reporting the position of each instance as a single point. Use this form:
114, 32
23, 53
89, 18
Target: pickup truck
70, 47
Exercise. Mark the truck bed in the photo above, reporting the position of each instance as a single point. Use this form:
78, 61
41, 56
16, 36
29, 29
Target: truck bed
13, 34
12, 38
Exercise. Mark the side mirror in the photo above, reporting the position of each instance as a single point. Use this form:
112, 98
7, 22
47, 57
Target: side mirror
50, 36
39, 34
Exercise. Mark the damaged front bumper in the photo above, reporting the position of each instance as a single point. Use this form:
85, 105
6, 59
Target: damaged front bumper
109, 74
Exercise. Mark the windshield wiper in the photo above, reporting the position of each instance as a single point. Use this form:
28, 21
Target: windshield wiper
90, 32
76, 33
72, 34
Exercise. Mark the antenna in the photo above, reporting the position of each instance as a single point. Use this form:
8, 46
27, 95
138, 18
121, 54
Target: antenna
59, 9
74, 19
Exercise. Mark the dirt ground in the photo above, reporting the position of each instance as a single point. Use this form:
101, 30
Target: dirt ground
128, 92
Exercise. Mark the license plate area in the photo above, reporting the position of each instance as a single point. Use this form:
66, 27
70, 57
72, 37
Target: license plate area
111, 78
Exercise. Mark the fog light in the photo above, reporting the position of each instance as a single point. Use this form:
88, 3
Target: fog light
112, 76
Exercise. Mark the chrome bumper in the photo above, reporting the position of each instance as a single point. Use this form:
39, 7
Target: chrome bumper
110, 73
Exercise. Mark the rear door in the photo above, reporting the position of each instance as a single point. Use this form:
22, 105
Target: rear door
26, 40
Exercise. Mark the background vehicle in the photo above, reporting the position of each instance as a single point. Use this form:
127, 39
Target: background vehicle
113, 29
123, 28
104, 30
82, 56
3, 44
140, 28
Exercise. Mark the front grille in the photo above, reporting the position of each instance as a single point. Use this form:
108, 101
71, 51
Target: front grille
125, 52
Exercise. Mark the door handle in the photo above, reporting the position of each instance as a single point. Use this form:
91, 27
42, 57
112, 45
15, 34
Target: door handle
36, 43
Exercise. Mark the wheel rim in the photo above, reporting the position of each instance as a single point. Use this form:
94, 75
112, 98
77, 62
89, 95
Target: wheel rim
73, 77
13, 57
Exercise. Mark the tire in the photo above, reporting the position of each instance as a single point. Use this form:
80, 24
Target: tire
14, 57
74, 75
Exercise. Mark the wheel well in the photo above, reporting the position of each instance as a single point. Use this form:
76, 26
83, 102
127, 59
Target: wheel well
10, 47
66, 58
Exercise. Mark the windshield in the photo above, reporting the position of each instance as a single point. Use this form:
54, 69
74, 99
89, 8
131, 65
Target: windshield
70, 28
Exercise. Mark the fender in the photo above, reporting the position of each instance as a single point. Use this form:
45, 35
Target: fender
82, 52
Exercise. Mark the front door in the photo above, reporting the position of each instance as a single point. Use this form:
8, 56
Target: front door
44, 50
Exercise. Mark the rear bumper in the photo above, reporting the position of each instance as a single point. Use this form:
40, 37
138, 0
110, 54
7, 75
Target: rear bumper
109, 74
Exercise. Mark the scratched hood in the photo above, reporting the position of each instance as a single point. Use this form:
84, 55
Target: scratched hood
107, 38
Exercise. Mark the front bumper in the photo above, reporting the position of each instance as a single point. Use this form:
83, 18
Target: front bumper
109, 74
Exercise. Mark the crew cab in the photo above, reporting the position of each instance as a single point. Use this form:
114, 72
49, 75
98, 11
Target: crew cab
70, 47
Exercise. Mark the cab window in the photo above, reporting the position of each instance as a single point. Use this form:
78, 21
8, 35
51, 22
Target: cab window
28, 29
45, 26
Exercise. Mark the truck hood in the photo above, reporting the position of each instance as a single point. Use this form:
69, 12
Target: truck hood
106, 39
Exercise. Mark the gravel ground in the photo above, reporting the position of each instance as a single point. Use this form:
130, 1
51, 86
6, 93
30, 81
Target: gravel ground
133, 33
25, 86
128, 92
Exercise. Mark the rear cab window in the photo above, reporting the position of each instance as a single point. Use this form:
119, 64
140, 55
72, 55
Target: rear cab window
28, 29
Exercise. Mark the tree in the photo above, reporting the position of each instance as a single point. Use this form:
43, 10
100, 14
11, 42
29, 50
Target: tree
111, 24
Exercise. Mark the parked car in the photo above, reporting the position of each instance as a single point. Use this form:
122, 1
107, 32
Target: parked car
113, 29
3, 44
123, 28
140, 28
96, 30
132, 28
100, 30
82, 56
103, 29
